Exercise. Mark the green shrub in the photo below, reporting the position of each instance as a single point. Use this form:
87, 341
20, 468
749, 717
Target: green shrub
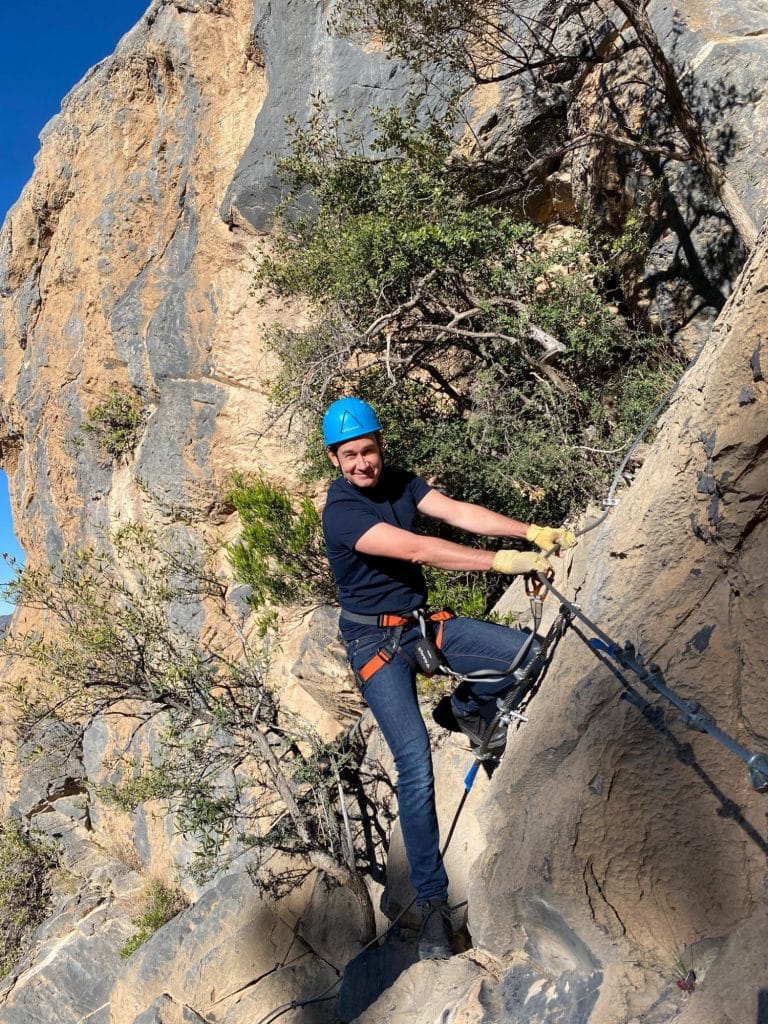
280, 553
161, 904
26, 860
115, 422
497, 364
123, 633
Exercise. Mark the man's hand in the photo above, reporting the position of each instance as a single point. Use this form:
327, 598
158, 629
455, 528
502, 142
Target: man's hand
549, 537
512, 563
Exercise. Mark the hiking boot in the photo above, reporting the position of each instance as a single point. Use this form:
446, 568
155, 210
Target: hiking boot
436, 938
475, 727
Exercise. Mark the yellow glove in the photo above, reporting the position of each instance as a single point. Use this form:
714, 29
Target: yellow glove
548, 537
512, 563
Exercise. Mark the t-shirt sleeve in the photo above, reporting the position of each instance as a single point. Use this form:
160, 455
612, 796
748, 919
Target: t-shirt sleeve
348, 520
419, 489
347, 516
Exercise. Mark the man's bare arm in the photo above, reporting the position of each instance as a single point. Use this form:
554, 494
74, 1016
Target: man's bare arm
389, 541
471, 518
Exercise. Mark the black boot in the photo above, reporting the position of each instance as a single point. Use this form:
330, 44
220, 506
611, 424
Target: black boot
476, 726
436, 939
473, 726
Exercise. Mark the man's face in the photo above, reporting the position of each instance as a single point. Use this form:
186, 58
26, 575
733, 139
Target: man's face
360, 461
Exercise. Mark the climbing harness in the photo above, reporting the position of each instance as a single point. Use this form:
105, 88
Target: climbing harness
527, 681
427, 657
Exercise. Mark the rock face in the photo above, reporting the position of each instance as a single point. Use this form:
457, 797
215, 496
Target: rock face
665, 835
613, 851
122, 273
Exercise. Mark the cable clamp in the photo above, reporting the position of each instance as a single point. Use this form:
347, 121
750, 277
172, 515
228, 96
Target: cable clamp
696, 717
758, 772
507, 717
611, 502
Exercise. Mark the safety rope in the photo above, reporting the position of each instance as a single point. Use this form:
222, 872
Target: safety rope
527, 682
611, 501
695, 715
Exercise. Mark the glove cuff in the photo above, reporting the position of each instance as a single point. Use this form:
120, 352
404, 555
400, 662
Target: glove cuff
532, 533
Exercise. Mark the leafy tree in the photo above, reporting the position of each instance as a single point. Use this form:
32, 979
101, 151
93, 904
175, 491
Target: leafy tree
546, 46
280, 552
126, 636
115, 422
497, 364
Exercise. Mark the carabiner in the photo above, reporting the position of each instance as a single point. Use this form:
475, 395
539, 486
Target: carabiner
534, 584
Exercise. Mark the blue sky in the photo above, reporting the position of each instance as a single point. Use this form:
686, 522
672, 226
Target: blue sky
45, 48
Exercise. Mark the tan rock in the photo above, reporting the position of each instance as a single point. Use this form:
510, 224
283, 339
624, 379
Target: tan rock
652, 840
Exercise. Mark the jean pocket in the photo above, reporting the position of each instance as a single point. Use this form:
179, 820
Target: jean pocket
361, 650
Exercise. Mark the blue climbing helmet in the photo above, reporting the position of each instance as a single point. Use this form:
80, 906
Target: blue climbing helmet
348, 418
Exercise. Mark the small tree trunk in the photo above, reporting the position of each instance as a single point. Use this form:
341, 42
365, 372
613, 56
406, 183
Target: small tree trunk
353, 881
687, 124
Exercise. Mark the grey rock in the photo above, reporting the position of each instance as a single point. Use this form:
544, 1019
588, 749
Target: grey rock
722, 59
165, 1010
321, 641
429, 991
238, 600
76, 851
305, 980
553, 943
127, 324
170, 339
207, 953
349, 79
528, 996
372, 972
73, 965
51, 766
75, 808
180, 428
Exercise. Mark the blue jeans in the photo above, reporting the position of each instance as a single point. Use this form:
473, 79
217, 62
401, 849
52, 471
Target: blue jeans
468, 645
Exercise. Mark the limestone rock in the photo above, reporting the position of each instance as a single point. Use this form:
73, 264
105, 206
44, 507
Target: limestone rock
74, 974
611, 845
233, 954
349, 79
165, 1011
110, 252
652, 841
74, 956
51, 767
115, 749
429, 991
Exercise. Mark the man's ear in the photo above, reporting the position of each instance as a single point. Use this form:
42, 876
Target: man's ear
333, 457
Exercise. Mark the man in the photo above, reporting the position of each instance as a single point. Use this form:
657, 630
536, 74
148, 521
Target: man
376, 557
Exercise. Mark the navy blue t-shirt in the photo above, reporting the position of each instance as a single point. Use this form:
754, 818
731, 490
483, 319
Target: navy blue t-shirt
372, 584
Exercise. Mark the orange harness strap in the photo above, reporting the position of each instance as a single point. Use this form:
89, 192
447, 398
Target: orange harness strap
385, 654
441, 617
379, 660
